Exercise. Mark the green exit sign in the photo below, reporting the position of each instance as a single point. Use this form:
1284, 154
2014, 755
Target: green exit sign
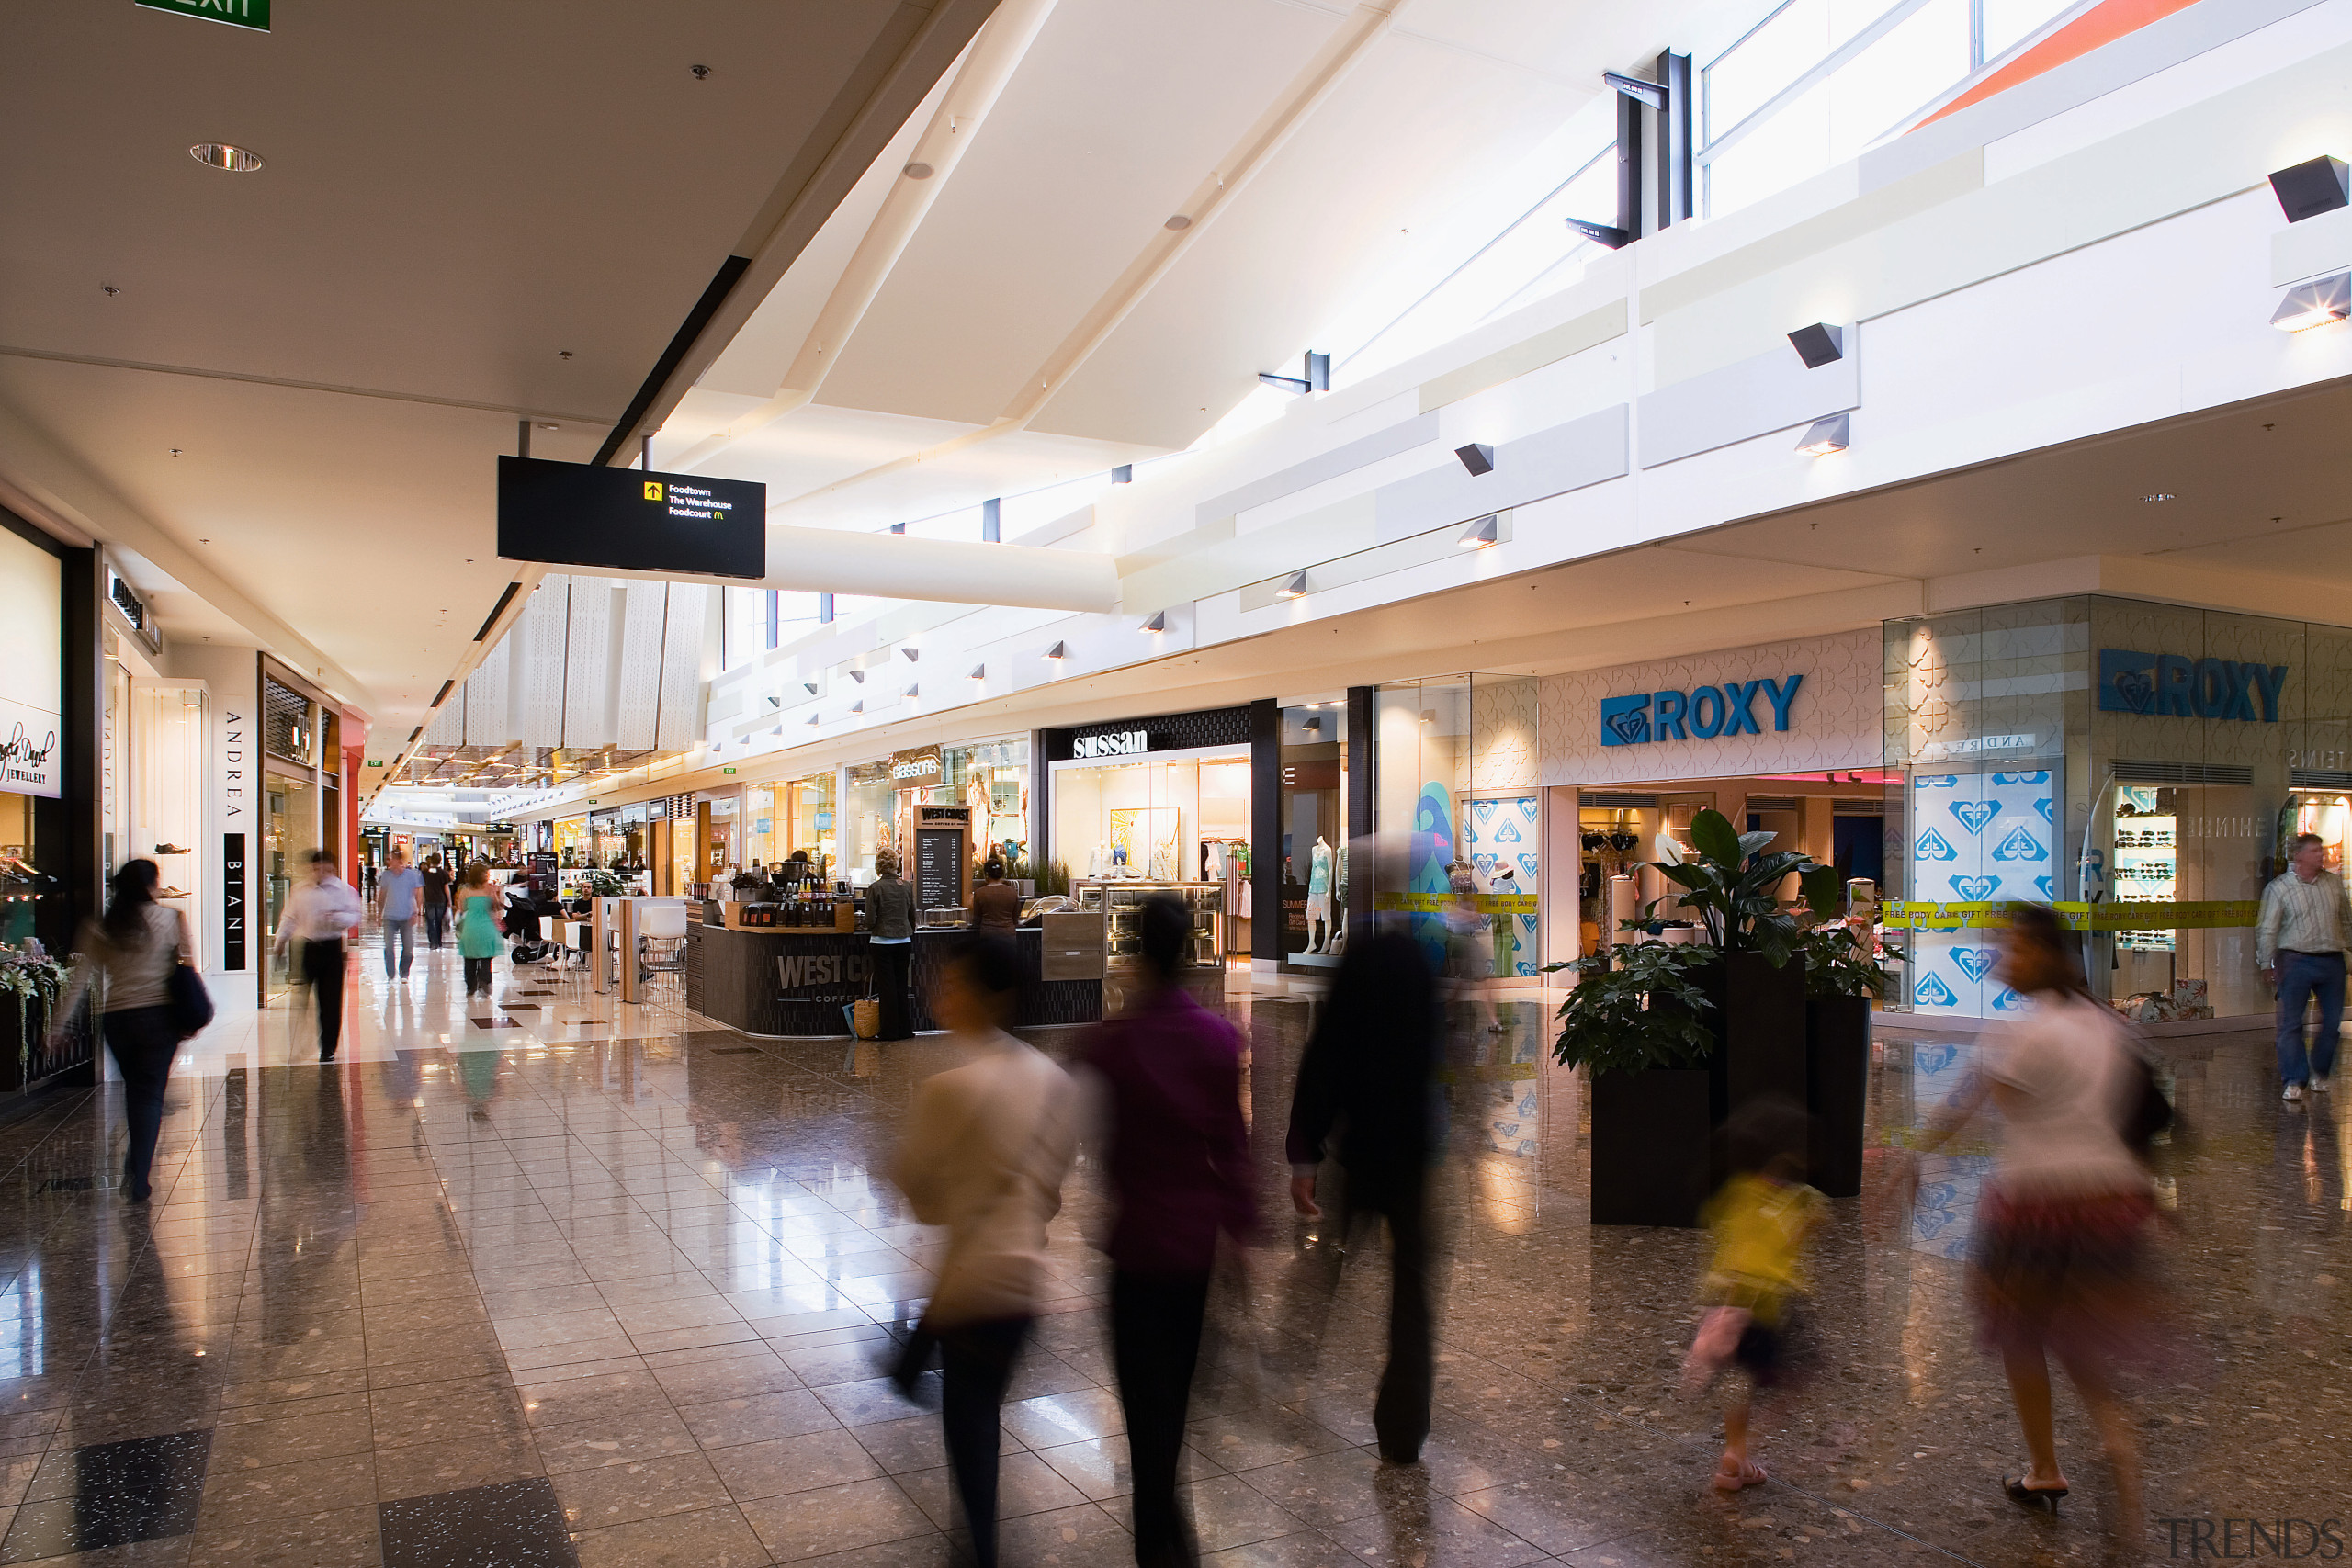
725, 770
375, 762
253, 14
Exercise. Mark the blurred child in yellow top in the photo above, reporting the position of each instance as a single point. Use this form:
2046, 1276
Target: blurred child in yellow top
1762, 1219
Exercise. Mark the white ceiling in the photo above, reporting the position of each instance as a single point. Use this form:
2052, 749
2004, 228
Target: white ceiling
1119, 114
457, 195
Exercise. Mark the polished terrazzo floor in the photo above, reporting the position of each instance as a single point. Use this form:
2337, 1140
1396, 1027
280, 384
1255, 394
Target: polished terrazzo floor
590, 1283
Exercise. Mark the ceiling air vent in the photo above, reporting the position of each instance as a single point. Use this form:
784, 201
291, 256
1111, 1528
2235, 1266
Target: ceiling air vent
2132, 772
1608, 802
2318, 778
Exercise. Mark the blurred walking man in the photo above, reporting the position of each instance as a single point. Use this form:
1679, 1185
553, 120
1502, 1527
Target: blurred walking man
396, 892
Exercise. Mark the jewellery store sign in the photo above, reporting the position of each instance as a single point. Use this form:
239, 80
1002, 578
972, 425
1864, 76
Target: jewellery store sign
31, 669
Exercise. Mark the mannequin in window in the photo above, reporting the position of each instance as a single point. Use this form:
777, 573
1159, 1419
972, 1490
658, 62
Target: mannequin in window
1339, 942
1319, 897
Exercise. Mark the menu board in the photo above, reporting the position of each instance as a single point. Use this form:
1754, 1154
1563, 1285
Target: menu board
939, 868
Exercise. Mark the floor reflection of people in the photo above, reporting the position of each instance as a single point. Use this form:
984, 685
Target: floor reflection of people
477, 1070
133, 947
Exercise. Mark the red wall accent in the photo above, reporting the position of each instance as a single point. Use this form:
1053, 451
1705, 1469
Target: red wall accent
2101, 24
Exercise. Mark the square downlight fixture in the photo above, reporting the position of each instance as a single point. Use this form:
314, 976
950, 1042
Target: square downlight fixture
1819, 344
2317, 303
2308, 189
1823, 436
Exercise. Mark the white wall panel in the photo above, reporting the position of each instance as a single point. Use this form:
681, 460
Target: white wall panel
586, 725
639, 663
679, 724
486, 708
539, 676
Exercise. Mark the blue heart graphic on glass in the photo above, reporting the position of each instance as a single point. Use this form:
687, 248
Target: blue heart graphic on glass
2045, 884
1528, 864
2020, 845
1484, 864
2007, 1001
1485, 809
1933, 845
1929, 1060
1974, 961
1527, 807
1974, 814
1933, 993
1975, 890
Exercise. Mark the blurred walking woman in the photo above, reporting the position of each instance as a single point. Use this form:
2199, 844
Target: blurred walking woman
2060, 1264
133, 948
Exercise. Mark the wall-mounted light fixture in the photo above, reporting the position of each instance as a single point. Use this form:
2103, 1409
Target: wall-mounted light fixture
2314, 304
1605, 235
809, 686
914, 691
1059, 652
813, 721
911, 654
1296, 588
858, 676
1317, 377
858, 706
776, 702
1819, 344
2306, 190
1478, 458
1159, 622
980, 672
1482, 533
1823, 436
1124, 474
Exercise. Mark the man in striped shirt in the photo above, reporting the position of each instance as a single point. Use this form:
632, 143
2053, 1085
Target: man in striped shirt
2306, 925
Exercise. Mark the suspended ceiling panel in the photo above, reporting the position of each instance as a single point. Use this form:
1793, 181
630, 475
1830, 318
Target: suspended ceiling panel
1382, 153
1115, 115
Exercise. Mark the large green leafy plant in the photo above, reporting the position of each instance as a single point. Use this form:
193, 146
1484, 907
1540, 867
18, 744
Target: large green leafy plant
1834, 966
1612, 1019
1733, 888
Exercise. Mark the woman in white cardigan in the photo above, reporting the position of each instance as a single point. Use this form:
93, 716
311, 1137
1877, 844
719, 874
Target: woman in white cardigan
986, 1147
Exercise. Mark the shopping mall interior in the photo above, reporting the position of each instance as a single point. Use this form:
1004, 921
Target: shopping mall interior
1695, 657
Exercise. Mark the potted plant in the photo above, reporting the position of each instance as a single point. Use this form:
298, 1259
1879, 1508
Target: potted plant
1675, 1038
1842, 978
1636, 1027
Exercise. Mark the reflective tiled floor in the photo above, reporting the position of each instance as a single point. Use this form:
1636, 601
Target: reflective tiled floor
607, 1285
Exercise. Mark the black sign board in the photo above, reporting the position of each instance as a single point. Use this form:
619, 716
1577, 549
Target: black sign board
233, 901
631, 519
939, 868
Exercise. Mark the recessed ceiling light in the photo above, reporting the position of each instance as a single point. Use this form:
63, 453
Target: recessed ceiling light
1177, 224
917, 171
226, 158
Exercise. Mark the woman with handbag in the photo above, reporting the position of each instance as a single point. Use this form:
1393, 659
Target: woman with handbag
135, 946
2061, 1266
891, 942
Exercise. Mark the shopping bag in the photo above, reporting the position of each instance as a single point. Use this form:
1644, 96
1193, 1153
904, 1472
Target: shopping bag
864, 1017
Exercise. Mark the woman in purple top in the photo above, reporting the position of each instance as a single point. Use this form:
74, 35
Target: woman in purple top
1179, 1166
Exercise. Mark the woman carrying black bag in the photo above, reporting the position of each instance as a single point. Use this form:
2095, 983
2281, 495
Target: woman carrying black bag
136, 946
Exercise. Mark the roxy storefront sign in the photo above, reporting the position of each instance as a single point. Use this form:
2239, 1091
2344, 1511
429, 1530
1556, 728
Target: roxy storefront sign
1703, 713
2174, 685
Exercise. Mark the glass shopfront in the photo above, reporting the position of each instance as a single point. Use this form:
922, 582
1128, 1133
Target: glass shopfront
1315, 833
1460, 860
870, 799
2141, 766
992, 778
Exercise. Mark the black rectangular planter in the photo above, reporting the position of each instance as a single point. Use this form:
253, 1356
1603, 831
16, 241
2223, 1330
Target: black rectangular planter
1760, 1020
1650, 1133
1837, 1073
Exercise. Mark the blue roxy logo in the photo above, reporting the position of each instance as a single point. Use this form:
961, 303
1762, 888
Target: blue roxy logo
1976, 889
1935, 846
1974, 814
1704, 713
2175, 686
1933, 993
2020, 845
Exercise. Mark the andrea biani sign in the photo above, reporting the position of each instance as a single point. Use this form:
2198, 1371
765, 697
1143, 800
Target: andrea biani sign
2174, 685
1705, 713
233, 901
631, 519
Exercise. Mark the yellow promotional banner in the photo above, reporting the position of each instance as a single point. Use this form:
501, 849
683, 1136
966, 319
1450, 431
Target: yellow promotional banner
2168, 914
1439, 903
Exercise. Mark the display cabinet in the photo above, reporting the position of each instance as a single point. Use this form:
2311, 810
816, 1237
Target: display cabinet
165, 820
1119, 901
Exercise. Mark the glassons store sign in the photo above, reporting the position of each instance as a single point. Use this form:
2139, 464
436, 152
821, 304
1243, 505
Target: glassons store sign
918, 767
1705, 713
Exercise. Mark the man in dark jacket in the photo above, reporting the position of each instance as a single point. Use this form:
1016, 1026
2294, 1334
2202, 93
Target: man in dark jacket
1366, 1075
1170, 1073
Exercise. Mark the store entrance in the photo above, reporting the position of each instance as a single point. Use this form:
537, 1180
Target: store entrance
289, 833
1838, 819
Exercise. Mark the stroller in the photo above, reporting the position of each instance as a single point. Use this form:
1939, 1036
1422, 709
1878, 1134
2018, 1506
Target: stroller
522, 924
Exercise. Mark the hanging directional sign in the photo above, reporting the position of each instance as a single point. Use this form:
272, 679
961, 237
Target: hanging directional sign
631, 519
